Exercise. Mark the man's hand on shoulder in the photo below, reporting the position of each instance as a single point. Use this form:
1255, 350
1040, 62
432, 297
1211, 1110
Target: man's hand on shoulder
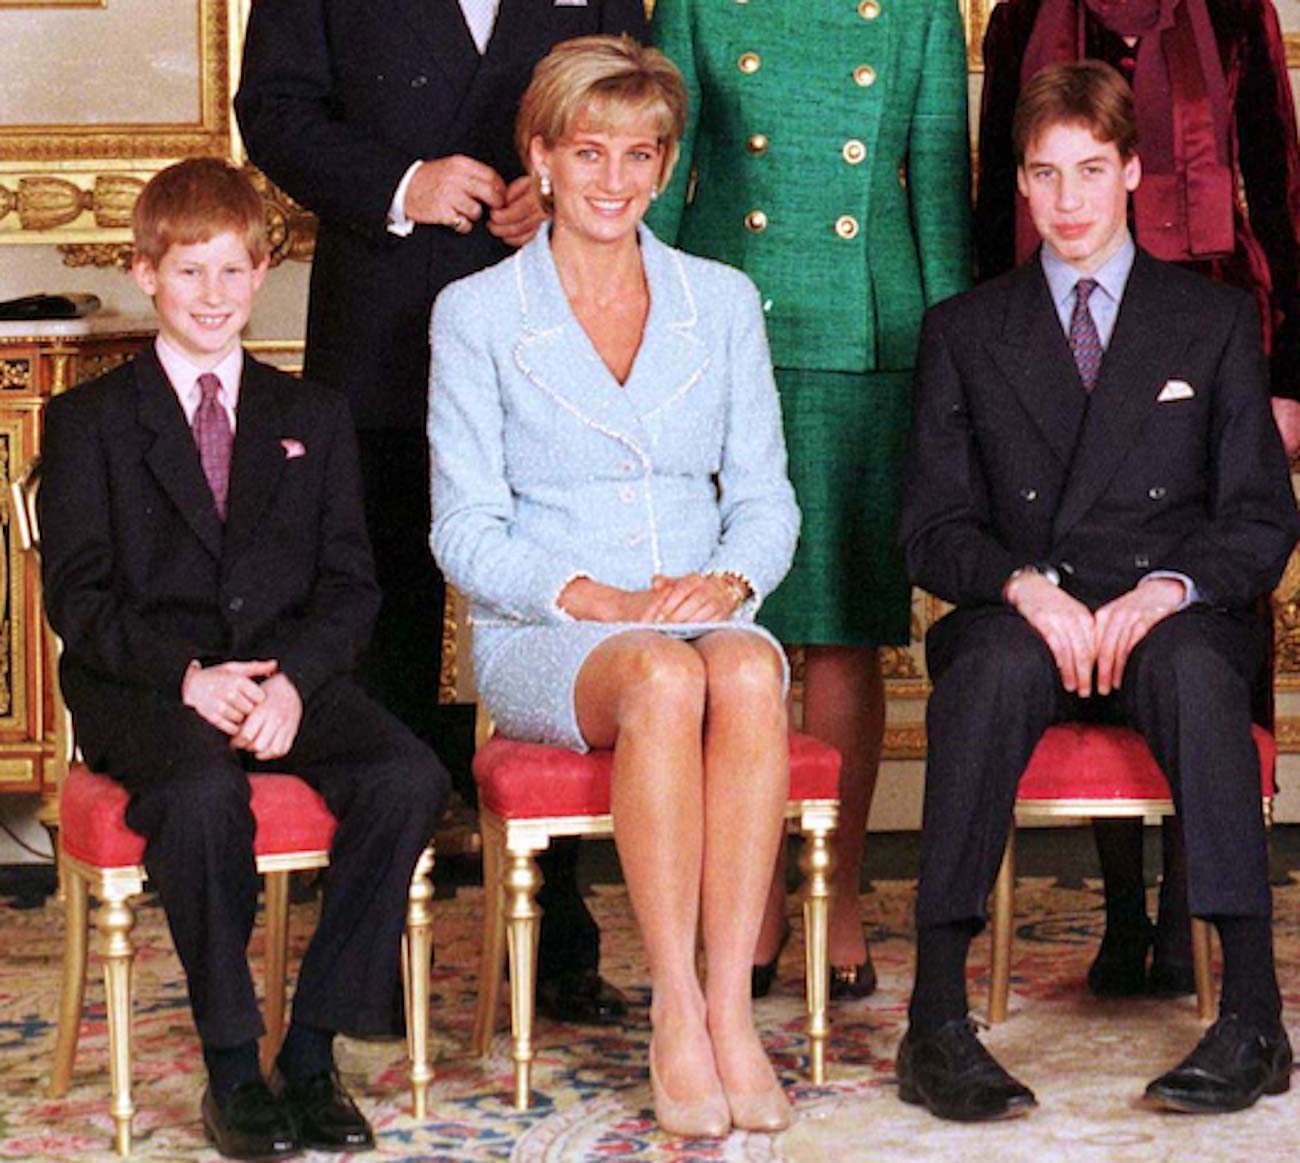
1063, 622
272, 726
452, 191
1123, 623
1286, 415
520, 217
224, 694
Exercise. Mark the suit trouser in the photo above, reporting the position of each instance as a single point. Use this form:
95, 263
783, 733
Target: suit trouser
401, 668
1186, 689
190, 800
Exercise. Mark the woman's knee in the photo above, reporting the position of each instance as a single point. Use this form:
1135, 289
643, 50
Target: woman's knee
743, 668
665, 679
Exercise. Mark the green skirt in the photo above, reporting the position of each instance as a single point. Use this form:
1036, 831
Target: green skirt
846, 433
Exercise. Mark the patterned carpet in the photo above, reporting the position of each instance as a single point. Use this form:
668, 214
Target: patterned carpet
1087, 1060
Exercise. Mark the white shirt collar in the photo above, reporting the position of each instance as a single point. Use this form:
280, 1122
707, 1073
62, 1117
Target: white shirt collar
184, 374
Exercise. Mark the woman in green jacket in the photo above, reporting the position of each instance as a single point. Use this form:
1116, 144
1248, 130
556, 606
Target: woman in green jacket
827, 156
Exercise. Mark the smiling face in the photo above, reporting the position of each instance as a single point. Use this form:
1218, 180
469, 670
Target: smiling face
1078, 189
602, 178
203, 293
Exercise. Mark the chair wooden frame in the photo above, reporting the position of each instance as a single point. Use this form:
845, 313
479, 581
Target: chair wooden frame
510, 923
116, 888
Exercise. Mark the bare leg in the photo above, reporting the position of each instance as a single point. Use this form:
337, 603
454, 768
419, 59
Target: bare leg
844, 705
643, 695
746, 782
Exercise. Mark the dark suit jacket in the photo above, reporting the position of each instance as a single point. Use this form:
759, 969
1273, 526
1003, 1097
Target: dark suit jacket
338, 98
1265, 151
1011, 462
140, 577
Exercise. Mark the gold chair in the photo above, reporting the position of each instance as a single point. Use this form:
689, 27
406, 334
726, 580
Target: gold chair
100, 856
1080, 771
530, 794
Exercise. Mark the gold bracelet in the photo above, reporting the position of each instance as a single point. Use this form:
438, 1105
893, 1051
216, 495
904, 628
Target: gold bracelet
739, 589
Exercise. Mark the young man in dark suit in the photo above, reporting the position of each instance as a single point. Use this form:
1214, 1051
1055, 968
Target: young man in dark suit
1096, 483
205, 561
394, 123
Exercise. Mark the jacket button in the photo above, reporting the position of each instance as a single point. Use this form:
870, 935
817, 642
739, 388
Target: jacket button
846, 226
1156, 492
749, 62
757, 143
756, 221
1142, 561
869, 9
627, 493
235, 605
1029, 494
864, 76
853, 152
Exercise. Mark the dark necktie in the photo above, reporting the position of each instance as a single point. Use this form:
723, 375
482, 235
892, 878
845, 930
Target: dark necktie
213, 436
1085, 343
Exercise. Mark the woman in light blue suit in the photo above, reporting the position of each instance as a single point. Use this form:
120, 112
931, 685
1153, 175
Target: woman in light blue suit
610, 490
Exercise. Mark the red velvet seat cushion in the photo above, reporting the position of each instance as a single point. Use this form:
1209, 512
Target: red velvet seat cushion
1080, 761
291, 817
522, 781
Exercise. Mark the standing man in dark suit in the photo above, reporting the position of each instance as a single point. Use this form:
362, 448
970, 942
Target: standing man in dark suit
205, 561
1097, 484
394, 123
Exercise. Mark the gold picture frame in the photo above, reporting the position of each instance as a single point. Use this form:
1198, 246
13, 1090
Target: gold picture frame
75, 182
975, 14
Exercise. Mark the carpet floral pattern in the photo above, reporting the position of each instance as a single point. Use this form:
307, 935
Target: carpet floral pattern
1088, 1060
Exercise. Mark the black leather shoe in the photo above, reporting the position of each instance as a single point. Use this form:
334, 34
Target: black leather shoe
763, 974
1232, 1065
580, 998
253, 1124
953, 1076
325, 1115
1120, 967
1171, 978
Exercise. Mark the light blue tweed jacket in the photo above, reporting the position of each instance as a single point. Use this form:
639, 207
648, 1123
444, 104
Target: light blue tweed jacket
545, 469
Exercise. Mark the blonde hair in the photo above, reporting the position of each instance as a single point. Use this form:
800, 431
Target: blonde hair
607, 81
192, 201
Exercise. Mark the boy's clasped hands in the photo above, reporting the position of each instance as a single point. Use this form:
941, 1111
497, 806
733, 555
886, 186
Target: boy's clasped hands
258, 707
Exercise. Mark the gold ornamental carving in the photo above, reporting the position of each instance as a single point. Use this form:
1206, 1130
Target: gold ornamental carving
97, 254
15, 375
1286, 627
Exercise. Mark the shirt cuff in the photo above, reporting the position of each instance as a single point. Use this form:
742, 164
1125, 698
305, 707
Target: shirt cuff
398, 222
1190, 592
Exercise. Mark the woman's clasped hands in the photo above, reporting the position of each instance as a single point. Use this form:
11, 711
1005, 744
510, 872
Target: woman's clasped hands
692, 597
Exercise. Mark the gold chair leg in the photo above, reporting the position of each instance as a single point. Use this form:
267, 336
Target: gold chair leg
522, 880
816, 861
1203, 969
1004, 908
73, 992
493, 953
417, 945
115, 919
275, 965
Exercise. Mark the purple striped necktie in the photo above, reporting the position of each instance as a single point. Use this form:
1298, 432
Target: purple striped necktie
1085, 343
214, 438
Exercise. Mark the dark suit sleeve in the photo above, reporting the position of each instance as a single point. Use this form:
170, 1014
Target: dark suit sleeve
335, 624
290, 114
945, 526
98, 630
1241, 552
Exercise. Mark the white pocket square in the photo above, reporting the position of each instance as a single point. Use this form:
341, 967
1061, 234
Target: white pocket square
570, 3
293, 448
1175, 390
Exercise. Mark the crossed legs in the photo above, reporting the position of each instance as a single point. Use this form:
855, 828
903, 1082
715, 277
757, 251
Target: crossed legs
700, 782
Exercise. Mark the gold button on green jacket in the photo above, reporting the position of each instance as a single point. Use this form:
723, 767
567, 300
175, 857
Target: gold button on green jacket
829, 148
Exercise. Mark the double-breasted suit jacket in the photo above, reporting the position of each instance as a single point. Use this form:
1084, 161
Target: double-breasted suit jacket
141, 578
546, 469
338, 98
1171, 463
827, 155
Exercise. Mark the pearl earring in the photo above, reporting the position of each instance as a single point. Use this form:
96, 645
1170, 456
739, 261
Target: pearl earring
654, 195
544, 185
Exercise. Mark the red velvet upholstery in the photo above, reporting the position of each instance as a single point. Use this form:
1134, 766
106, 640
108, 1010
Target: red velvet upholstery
521, 781
291, 817
1079, 761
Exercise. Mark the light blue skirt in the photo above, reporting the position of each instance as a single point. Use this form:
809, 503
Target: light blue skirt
526, 674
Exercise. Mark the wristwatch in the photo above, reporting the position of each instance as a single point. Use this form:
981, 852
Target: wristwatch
1044, 569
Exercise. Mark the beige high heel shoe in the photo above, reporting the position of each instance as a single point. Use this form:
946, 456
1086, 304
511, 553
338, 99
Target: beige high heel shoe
767, 1111
694, 1118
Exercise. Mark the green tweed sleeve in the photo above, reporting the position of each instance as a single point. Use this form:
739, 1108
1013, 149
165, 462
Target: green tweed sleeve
671, 32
